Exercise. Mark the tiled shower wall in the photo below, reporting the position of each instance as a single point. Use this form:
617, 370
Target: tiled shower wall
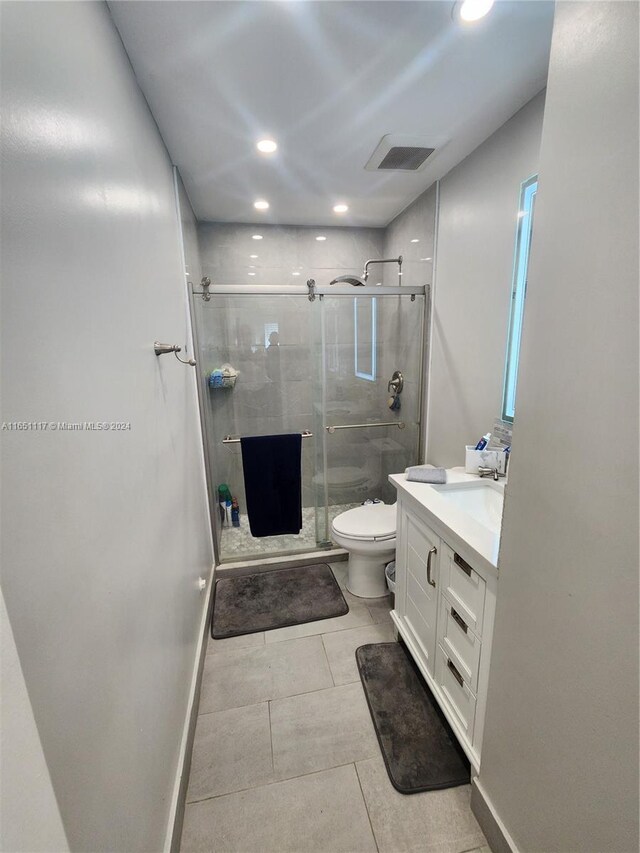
287, 254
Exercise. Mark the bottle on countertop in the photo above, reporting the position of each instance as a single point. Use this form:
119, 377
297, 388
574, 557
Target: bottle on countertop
483, 441
235, 512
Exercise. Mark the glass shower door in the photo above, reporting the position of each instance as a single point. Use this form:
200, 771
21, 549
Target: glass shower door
323, 367
270, 343
368, 435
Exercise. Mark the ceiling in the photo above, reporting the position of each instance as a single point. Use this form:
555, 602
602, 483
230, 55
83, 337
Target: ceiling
326, 80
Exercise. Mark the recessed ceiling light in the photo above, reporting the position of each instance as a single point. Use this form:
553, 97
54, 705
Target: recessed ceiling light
320, 239
261, 204
257, 237
267, 146
250, 273
415, 240
340, 208
295, 272
253, 256
473, 10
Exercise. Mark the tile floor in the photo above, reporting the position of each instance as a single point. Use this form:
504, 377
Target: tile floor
286, 760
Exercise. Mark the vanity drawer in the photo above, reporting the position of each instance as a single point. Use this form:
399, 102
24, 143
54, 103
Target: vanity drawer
464, 588
459, 699
459, 642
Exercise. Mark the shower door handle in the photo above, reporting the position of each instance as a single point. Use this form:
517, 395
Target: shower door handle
332, 429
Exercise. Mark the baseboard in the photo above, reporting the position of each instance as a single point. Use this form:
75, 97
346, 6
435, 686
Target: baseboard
246, 567
496, 833
176, 816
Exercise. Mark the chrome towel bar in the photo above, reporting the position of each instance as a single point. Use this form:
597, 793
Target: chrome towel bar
229, 439
399, 424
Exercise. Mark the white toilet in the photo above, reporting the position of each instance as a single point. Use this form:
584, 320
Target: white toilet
368, 533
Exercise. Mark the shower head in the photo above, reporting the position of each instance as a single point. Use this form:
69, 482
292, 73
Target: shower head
354, 280
361, 281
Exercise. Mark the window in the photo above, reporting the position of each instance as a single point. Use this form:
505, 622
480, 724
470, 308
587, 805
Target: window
364, 321
269, 329
528, 192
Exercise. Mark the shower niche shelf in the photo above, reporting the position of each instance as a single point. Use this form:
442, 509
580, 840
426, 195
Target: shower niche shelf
221, 381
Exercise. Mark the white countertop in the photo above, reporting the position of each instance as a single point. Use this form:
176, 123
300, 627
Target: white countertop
475, 543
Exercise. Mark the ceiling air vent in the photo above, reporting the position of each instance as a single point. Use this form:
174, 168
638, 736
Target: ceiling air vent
406, 158
399, 153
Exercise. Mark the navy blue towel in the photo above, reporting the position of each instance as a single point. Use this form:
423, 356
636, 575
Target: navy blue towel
273, 483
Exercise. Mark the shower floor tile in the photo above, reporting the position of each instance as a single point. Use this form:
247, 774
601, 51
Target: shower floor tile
238, 541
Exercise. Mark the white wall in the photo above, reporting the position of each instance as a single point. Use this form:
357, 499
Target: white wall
29, 816
560, 752
189, 227
471, 297
104, 533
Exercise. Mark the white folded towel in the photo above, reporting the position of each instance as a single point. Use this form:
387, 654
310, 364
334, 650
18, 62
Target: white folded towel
426, 474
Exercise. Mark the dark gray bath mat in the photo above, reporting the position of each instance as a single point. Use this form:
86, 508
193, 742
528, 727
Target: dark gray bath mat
419, 749
275, 599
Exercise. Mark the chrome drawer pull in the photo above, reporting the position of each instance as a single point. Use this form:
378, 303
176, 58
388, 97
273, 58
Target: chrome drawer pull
455, 673
466, 568
460, 622
433, 551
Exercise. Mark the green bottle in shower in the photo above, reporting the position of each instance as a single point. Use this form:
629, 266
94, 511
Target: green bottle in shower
224, 495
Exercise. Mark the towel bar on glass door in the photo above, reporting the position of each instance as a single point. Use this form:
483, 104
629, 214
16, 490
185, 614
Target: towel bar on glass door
229, 439
399, 424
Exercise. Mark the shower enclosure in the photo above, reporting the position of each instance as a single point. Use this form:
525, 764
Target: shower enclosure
319, 363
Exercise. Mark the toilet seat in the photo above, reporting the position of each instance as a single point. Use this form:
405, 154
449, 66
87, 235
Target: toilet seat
369, 523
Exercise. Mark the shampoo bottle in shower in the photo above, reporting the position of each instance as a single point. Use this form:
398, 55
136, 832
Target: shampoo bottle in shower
224, 494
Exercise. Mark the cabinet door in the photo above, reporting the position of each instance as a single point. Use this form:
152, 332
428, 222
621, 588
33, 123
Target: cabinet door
422, 561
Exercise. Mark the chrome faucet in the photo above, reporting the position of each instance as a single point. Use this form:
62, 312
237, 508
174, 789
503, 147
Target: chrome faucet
485, 472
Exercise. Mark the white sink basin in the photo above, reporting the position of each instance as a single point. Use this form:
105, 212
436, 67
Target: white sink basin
482, 500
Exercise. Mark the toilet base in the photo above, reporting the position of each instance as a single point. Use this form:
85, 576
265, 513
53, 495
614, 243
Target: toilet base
366, 575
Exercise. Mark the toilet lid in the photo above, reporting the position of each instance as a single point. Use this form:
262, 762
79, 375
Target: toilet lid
375, 522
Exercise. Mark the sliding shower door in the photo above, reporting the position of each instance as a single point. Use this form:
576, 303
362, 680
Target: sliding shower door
368, 431
318, 367
269, 346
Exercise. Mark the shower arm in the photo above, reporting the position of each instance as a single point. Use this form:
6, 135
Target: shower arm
398, 260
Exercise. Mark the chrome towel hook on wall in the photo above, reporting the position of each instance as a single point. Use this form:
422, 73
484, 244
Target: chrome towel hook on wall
162, 349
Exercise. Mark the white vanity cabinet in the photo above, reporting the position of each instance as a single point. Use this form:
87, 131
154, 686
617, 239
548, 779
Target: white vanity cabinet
444, 610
